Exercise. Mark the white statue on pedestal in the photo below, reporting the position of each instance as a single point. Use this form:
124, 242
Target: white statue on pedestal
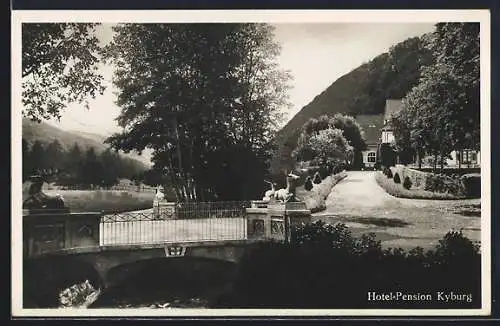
285, 194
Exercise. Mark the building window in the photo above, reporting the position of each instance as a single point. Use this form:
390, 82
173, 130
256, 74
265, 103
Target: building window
372, 157
467, 157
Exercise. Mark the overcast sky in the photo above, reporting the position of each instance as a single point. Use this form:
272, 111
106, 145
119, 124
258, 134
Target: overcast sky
316, 55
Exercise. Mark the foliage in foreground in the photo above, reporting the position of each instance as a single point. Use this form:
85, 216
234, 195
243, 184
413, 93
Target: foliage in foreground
59, 66
326, 267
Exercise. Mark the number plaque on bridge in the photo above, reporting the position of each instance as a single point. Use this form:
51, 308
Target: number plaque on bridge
175, 251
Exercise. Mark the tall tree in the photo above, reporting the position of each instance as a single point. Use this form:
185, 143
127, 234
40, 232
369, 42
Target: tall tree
444, 106
328, 147
59, 66
110, 163
55, 155
92, 171
37, 156
27, 166
202, 96
73, 167
351, 131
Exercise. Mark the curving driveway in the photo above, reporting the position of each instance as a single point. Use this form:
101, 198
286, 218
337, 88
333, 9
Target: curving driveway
360, 203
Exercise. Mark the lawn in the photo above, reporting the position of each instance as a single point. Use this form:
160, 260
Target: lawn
397, 190
105, 200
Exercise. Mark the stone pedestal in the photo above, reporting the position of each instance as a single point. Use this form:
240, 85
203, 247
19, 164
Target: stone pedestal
276, 220
297, 212
164, 210
47, 231
258, 204
257, 223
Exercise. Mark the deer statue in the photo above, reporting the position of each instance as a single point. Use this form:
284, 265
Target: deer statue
288, 194
37, 199
269, 194
159, 196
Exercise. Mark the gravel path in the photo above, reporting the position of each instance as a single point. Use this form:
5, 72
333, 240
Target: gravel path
360, 203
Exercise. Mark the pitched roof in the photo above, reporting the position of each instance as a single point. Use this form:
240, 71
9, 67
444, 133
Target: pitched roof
392, 106
371, 125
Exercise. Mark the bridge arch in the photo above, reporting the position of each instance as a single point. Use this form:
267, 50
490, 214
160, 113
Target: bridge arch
160, 279
45, 277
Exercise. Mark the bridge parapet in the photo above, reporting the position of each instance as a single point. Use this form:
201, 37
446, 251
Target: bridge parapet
275, 220
47, 231
60, 231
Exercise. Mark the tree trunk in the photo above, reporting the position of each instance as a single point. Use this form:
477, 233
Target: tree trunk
419, 159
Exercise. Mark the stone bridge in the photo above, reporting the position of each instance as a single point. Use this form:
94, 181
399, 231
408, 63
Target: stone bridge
110, 246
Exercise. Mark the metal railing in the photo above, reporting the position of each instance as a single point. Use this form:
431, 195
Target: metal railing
229, 209
188, 222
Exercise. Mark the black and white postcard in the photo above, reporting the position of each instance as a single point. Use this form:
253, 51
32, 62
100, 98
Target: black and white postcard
255, 163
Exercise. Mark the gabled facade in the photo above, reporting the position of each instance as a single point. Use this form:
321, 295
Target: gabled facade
392, 106
371, 125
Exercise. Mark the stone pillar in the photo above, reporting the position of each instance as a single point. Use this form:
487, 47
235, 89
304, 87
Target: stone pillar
164, 210
292, 214
47, 231
257, 220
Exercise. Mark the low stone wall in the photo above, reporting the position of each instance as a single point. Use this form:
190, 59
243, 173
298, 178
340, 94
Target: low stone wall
459, 186
418, 178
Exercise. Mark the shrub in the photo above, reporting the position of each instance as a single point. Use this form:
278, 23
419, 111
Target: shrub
308, 184
442, 183
397, 179
407, 183
324, 266
415, 193
472, 184
315, 198
387, 155
317, 178
323, 172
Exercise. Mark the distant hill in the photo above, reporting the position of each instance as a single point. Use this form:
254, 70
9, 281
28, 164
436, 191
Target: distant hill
46, 134
360, 92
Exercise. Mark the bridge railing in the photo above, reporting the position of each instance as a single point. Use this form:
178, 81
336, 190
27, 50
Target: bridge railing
222, 209
189, 222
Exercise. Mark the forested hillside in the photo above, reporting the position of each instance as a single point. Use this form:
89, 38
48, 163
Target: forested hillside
362, 91
81, 160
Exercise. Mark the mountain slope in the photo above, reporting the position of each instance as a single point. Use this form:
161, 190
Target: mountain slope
361, 91
46, 134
